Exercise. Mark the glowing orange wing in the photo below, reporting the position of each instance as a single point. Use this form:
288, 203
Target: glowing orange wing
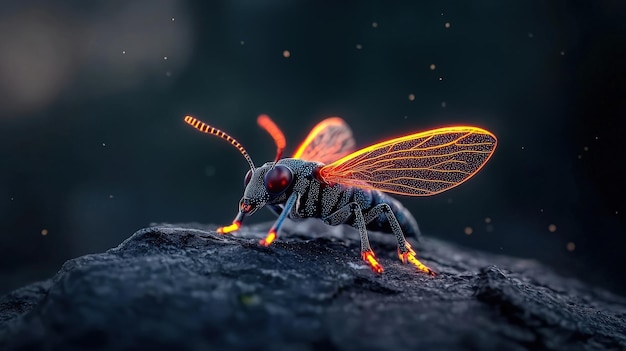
329, 140
420, 164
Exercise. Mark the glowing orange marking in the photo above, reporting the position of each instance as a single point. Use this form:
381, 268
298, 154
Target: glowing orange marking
410, 257
279, 138
369, 258
329, 140
271, 236
420, 164
230, 228
403, 256
205, 128
420, 266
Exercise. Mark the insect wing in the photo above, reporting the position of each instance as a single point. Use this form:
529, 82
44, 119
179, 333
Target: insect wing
328, 141
420, 164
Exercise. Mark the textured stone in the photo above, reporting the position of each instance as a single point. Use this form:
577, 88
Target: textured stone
184, 288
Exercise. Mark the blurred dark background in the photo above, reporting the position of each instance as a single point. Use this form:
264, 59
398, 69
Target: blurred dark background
92, 96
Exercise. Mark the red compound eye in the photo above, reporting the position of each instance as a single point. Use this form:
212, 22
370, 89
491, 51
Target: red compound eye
247, 178
278, 179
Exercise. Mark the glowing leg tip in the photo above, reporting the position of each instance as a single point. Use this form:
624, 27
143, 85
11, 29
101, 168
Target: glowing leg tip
269, 239
229, 228
404, 256
419, 265
370, 259
410, 256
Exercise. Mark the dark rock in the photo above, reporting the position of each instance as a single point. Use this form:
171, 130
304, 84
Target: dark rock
182, 288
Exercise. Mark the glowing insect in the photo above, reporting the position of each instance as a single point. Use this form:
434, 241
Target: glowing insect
327, 179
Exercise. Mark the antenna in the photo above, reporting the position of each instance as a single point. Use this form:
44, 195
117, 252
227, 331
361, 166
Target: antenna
205, 128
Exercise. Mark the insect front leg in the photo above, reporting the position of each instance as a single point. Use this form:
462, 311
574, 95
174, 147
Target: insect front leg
273, 233
234, 226
405, 252
342, 215
244, 207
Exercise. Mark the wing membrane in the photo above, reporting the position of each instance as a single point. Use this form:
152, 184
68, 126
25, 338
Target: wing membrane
420, 164
328, 141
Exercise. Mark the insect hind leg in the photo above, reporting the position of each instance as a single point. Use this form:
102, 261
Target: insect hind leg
405, 252
342, 215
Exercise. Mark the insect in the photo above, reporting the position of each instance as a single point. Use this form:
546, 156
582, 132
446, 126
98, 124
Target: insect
327, 179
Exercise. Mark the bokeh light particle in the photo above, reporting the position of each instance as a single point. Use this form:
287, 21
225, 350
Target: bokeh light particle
468, 230
44, 232
432, 67
411, 97
570, 246
286, 54
447, 25
552, 228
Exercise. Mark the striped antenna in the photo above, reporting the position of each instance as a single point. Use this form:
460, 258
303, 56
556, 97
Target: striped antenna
205, 128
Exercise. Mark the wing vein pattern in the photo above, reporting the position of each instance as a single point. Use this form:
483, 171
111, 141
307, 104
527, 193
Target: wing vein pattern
420, 164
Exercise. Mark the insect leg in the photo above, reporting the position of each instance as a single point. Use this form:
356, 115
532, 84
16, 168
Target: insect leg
233, 227
340, 216
271, 235
405, 252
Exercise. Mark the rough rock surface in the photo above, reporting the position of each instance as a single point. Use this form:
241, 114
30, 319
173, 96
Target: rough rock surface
184, 288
